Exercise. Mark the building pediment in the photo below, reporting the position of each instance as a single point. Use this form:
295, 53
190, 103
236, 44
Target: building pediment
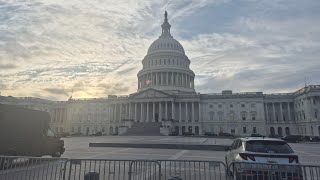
150, 93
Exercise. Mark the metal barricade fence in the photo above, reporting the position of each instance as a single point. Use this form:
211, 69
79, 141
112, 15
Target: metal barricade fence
34, 168
193, 170
269, 171
96, 169
31, 168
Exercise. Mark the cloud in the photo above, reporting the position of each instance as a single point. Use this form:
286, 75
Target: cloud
56, 91
95, 48
7, 66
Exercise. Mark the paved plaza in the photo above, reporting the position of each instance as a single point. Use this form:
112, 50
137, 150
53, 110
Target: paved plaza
78, 147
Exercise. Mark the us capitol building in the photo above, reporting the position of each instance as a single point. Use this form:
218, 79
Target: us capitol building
167, 102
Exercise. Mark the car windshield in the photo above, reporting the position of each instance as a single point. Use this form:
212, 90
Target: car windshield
268, 147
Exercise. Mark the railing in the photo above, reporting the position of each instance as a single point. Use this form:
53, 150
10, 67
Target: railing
270, 171
12, 168
192, 170
93, 169
34, 168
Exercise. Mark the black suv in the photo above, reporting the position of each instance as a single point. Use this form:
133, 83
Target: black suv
293, 138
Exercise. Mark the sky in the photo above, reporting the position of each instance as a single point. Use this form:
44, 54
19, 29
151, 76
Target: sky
93, 48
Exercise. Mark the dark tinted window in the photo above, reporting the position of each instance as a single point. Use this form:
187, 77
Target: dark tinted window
268, 147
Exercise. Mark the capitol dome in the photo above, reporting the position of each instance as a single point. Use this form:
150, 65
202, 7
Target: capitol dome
166, 67
165, 43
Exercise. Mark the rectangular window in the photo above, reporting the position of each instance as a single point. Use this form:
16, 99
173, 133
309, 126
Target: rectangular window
253, 117
243, 105
254, 130
253, 105
244, 129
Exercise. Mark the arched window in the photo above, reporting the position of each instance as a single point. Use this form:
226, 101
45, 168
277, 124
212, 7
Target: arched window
304, 115
311, 130
176, 130
116, 129
196, 130
190, 129
183, 129
279, 131
315, 114
287, 131
272, 133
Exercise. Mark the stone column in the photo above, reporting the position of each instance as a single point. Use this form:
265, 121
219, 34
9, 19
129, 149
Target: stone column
192, 83
179, 111
289, 112
109, 112
135, 112
141, 112
154, 112
156, 83
274, 112
173, 110
160, 112
172, 79
281, 113
120, 112
186, 80
147, 119
267, 113
114, 112
192, 117
177, 81
199, 112
187, 112
129, 111
167, 83
166, 110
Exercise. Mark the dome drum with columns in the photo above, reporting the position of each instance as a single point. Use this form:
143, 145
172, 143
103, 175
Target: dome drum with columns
166, 67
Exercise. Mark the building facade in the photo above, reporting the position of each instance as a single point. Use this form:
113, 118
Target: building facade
166, 94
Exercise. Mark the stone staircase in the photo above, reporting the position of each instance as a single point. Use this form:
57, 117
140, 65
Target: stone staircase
144, 129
